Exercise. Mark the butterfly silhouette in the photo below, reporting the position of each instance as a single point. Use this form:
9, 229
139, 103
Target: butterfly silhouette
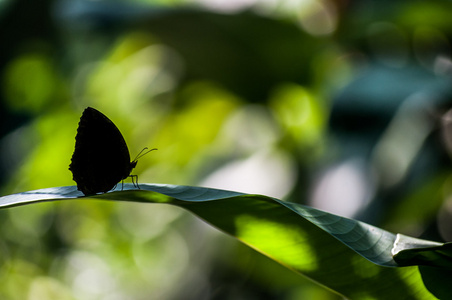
101, 158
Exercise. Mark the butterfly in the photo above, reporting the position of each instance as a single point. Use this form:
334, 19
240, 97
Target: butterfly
101, 158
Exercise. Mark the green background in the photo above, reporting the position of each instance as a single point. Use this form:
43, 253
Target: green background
315, 102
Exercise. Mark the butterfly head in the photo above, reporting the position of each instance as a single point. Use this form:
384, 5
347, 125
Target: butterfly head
134, 162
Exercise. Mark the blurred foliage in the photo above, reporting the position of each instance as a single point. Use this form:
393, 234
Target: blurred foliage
337, 104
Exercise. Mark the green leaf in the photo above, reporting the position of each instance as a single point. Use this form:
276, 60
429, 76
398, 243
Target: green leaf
347, 256
410, 251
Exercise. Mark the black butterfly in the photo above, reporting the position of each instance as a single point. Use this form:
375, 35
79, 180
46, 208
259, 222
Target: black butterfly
101, 158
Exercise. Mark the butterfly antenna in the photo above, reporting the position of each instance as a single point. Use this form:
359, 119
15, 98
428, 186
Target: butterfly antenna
141, 154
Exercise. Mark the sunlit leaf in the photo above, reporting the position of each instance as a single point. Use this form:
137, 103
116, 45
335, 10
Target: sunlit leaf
345, 255
422, 253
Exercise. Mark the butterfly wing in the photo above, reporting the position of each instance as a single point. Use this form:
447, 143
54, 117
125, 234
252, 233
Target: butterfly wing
101, 158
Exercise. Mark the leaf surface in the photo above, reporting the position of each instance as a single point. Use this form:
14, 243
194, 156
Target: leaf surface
349, 257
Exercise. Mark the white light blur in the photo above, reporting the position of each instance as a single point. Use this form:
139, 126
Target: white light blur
91, 276
318, 18
402, 140
442, 66
227, 6
344, 189
266, 173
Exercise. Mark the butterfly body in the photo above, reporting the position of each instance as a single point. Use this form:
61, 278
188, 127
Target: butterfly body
101, 158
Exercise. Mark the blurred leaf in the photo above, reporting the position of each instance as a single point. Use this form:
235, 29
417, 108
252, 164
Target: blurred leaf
319, 245
245, 52
32, 83
414, 15
300, 114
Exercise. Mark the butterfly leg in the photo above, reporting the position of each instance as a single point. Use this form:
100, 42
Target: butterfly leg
135, 181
